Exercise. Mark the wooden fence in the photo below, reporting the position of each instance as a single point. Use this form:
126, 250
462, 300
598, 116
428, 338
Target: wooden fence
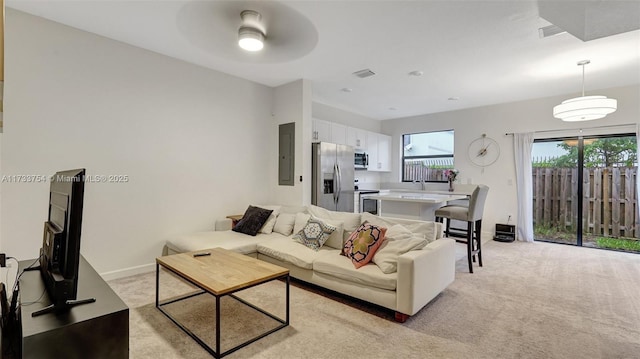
609, 200
418, 170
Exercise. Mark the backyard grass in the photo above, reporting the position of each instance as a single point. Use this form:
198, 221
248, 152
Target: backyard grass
553, 234
618, 243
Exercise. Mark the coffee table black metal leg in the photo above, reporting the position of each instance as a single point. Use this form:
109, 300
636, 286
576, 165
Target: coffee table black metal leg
287, 321
218, 352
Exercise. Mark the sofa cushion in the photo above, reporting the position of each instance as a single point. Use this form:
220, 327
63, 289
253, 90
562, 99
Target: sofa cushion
287, 250
341, 267
300, 222
252, 220
234, 241
425, 229
350, 220
284, 223
335, 240
398, 240
267, 227
314, 233
363, 243
293, 209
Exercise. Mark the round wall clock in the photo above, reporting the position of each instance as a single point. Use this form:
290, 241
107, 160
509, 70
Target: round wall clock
483, 151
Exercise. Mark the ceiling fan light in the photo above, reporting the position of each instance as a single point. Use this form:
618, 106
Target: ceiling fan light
585, 108
250, 39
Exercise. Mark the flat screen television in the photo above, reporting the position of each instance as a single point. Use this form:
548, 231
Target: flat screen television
60, 252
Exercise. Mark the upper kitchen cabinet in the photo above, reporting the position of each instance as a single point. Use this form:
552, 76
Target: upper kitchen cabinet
384, 152
321, 131
357, 138
379, 151
325, 131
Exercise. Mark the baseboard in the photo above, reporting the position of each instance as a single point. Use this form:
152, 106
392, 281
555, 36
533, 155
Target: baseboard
121, 273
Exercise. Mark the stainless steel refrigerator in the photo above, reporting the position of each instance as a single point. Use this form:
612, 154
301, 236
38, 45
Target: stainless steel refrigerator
332, 176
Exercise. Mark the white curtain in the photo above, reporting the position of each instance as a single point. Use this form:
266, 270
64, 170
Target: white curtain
523, 144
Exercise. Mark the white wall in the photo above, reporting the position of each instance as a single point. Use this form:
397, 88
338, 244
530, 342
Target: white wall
495, 121
292, 103
333, 114
191, 140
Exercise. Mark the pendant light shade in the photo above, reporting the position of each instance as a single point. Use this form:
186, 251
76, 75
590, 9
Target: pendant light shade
585, 108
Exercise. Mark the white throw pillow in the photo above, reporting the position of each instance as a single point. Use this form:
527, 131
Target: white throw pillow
398, 231
399, 240
267, 227
335, 240
300, 222
284, 223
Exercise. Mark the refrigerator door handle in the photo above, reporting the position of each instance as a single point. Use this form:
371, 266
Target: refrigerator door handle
339, 183
335, 183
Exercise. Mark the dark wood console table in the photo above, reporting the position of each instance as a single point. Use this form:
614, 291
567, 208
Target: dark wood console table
94, 330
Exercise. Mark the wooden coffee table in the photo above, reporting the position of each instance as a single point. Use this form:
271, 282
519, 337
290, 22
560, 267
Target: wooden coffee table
220, 272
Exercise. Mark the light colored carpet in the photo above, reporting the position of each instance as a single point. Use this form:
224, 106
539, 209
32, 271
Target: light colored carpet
530, 300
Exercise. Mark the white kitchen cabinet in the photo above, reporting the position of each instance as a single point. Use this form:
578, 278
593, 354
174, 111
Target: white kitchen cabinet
384, 152
357, 138
379, 151
321, 131
372, 151
325, 131
376, 145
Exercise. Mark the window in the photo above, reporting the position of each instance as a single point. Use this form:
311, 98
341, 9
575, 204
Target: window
426, 156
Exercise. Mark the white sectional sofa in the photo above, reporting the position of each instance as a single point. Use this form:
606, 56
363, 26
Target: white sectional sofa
421, 273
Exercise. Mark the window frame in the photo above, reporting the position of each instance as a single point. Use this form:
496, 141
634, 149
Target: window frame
404, 158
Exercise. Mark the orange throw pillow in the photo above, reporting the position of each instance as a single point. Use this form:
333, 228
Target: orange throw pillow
363, 243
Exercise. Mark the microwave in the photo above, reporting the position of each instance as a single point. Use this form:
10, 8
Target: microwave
361, 160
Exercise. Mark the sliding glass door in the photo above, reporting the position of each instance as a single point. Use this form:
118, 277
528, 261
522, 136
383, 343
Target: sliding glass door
555, 190
584, 191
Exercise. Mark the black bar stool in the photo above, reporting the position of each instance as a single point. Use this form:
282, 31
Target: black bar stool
473, 216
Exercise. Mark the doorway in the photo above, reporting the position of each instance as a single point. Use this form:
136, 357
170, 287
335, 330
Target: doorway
584, 191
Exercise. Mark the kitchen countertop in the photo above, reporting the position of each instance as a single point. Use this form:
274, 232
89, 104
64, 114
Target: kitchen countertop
364, 191
432, 191
419, 196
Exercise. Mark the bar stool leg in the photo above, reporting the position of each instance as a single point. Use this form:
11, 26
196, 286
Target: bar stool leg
479, 236
469, 245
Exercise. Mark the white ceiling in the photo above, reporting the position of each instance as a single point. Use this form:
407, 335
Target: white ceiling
482, 52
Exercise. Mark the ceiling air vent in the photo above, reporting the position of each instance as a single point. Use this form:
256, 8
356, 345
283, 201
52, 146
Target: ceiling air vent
364, 73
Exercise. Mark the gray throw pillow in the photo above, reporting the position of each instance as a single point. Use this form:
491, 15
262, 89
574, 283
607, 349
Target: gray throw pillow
252, 220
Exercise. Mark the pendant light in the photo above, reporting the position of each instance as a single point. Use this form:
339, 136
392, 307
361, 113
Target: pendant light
585, 108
